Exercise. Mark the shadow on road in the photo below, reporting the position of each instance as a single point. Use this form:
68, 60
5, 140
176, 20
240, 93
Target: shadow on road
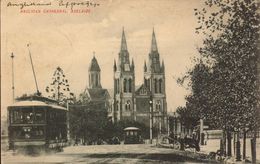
143, 157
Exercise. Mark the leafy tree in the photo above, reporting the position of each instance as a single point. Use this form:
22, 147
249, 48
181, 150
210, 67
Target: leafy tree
231, 31
197, 103
187, 117
59, 88
232, 38
88, 122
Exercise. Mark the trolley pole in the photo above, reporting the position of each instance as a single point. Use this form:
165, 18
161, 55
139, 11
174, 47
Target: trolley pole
35, 80
12, 57
151, 119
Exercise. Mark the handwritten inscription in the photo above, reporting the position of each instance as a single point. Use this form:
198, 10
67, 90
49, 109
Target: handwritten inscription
27, 4
72, 4
61, 5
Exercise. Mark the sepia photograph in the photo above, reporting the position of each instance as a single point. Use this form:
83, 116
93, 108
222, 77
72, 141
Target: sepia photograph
130, 81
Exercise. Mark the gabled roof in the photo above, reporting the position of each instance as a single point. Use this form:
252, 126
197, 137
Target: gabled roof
94, 65
111, 92
98, 94
142, 90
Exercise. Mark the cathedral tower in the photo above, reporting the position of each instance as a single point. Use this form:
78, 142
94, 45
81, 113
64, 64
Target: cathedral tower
154, 81
124, 84
94, 74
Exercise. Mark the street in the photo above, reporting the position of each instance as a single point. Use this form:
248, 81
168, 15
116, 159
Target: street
110, 154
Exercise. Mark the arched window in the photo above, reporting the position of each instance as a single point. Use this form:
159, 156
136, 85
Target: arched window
155, 85
128, 105
148, 85
125, 81
117, 106
160, 86
116, 85
92, 80
158, 105
96, 80
130, 85
117, 81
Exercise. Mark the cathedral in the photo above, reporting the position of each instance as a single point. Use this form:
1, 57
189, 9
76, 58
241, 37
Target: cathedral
137, 103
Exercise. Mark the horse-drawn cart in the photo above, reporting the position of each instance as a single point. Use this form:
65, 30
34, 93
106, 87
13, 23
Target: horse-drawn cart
178, 143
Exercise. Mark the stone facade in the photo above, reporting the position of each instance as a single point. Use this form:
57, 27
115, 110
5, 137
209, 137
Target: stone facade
133, 103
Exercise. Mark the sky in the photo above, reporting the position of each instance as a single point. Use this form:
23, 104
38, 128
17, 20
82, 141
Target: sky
68, 40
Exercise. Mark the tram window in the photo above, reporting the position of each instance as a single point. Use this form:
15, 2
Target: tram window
11, 114
39, 116
131, 133
28, 116
17, 116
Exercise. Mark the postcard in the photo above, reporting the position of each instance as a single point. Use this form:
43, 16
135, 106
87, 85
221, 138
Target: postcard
130, 81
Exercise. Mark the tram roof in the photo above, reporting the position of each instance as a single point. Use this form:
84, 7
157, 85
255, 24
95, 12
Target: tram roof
131, 128
35, 103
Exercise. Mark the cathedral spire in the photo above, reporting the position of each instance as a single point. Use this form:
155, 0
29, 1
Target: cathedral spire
115, 65
145, 67
123, 41
154, 44
133, 64
162, 66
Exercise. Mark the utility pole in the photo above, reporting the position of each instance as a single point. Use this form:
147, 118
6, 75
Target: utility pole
12, 57
68, 122
201, 131
151, 119
168, 125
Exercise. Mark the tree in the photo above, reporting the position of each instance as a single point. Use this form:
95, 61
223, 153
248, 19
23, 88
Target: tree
187, 117
197, 103
59, 88
231, 31
88, 122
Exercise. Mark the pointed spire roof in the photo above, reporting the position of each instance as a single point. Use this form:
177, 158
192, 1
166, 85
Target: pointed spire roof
162, 65
133, 62
123, 41
115, 65
94, 65
154, 43
145, 67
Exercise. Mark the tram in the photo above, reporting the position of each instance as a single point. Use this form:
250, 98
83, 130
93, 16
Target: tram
132, 135
37, 122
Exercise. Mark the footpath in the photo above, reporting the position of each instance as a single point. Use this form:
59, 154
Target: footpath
214, 144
